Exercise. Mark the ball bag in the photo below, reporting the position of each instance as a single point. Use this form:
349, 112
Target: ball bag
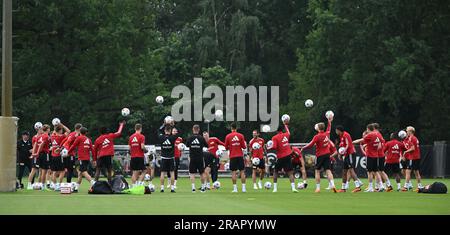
101, 187
435, 188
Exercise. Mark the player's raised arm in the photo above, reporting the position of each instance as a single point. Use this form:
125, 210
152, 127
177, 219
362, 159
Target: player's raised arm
328, 131
310, 144
119, 131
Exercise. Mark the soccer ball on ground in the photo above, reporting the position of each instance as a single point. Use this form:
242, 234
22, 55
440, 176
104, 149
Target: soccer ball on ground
125, 112
309, 103
267, 185
256, 161
216, 184
159, 99
300, 186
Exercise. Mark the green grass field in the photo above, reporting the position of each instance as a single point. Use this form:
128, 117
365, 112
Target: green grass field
222, 201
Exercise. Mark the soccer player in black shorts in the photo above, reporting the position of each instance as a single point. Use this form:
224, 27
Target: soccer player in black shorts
136, 144
235, 143
24, 149
167, 142
197, 146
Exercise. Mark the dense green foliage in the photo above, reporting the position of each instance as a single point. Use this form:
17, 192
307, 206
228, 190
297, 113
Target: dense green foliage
371, 60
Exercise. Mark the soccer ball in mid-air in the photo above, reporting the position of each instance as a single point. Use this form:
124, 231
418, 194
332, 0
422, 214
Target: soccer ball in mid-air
219, 152
147, 177
181, 147
402, 134
226, 166
266, 128
168, 119
267, 185
256, 146
216, 184
256, 161
218, 114
285, 118
159, 99
341, 150
125, 112
309, 103
38, 125
64, 152
329, 114
56, 121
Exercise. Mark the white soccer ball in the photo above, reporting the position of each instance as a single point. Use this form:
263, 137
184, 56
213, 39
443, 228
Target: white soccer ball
216, 184
36, 186
38, 125
56, 121
402, 134
64, 152
269, 144
285, 118
266, 128
309, 103
226, 166
168, 119
181, 146
221, 147
341, 150
219, 114
329, 114
256, 161
147, 177
256, 146
159, 99
151, 187
125, 112
300, 186
219, 152
267, 185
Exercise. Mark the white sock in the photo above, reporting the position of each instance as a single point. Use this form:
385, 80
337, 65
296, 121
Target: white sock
254, 185
388, 183
275, 186
175, 183
203, 186
332, 183
399, 185
343, 185
208, 185
293, 186
357, 184
234, 187
318, 186
193, 186
243, 187
419, 185
162, 186
370, 185
172, 187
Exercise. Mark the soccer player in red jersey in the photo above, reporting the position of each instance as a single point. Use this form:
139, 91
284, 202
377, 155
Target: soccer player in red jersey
43, 149
394, 150
211, 160
297, 160
83, 144
322, 142
257, 153
177, 155
136, 143
70, 159
235, 142
57, 166
381, 175
349, 158
34, 156
413, 157
284, 160
104, 150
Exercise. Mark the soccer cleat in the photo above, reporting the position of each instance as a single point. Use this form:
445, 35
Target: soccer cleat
168, 186
234, 191
30, 187
369, 190
202, 190
380, 190
317, 190
357, 189
389, 189
328, 188
305, 185
404, 189
162, 191
193, 190
172, 191
275, 190
255, 187
294, 190
342, 191
334, 190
